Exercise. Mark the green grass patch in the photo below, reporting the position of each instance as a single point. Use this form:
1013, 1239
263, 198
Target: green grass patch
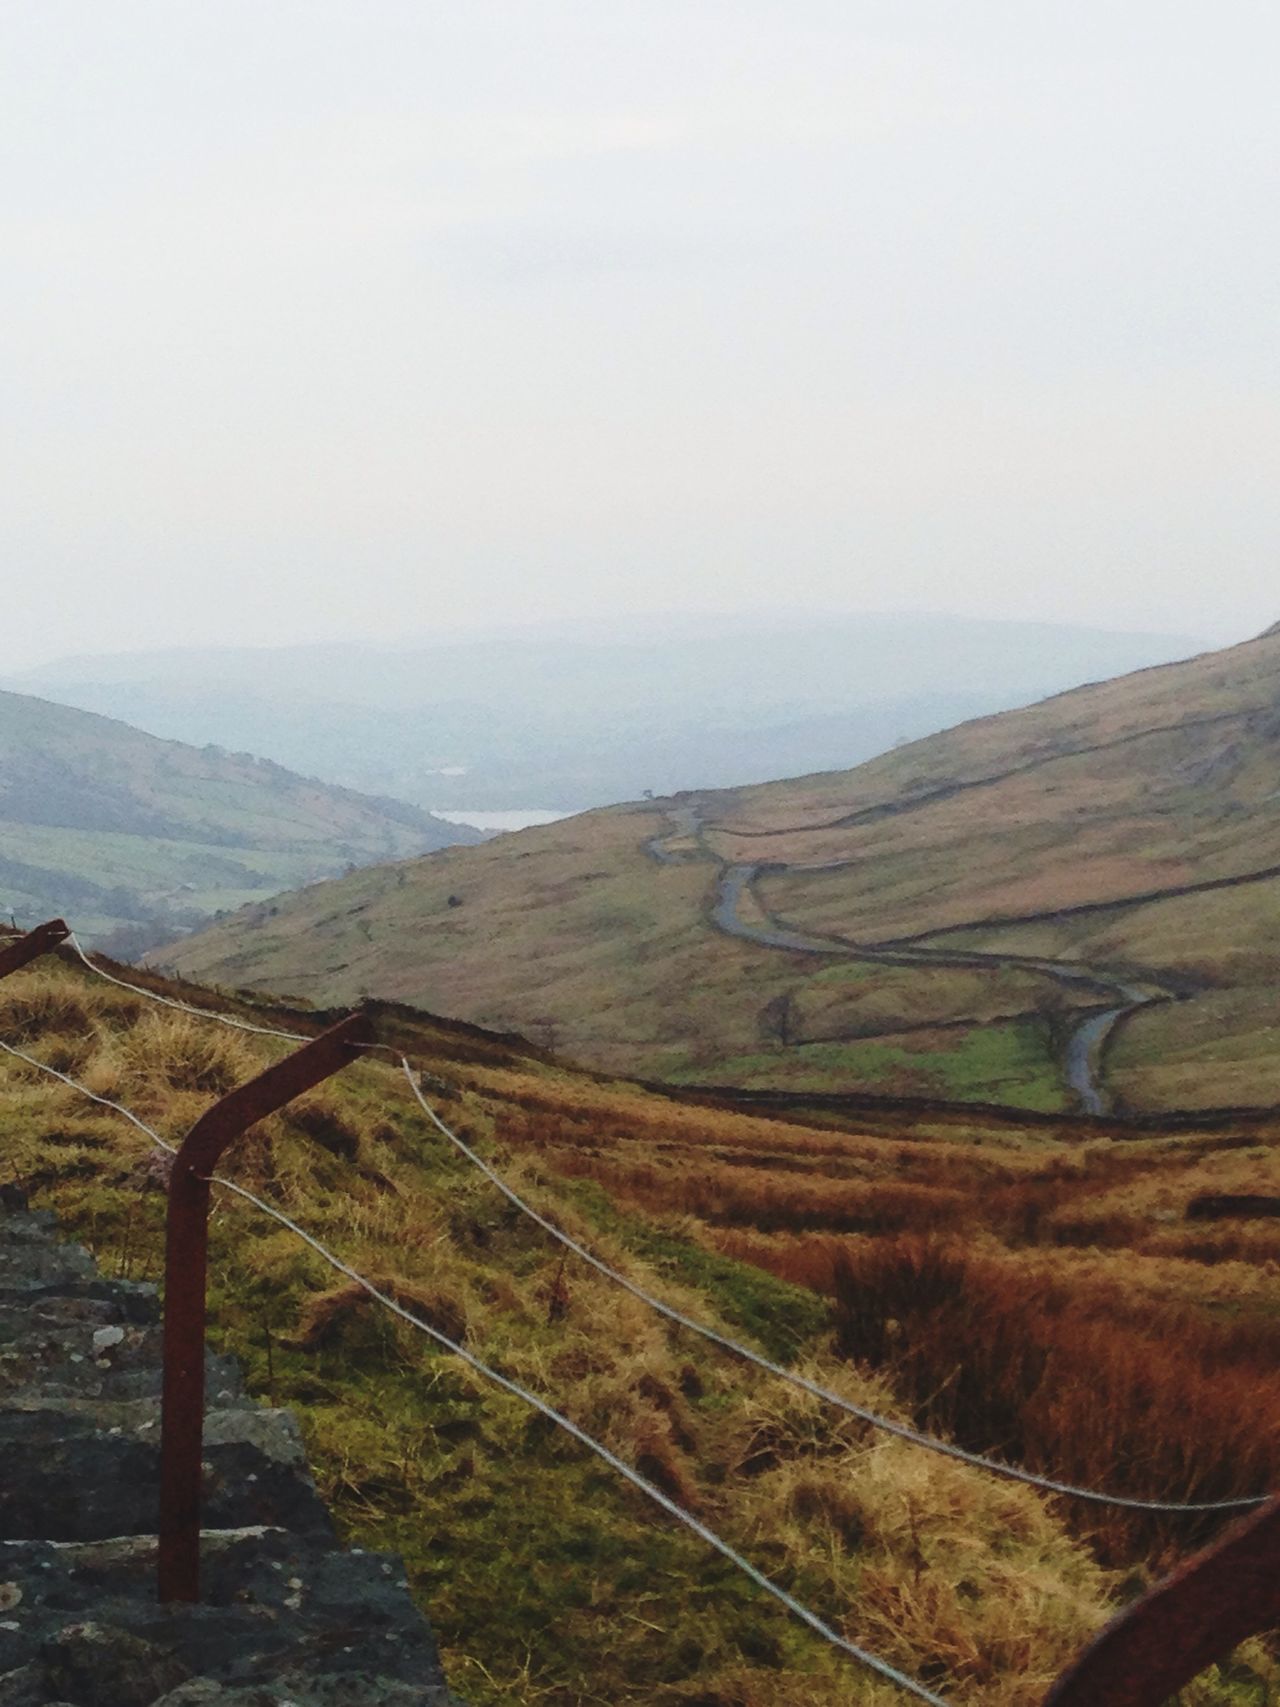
1010, 1063
782, 1319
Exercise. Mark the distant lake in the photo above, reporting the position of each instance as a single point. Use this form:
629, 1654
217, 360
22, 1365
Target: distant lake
522, 820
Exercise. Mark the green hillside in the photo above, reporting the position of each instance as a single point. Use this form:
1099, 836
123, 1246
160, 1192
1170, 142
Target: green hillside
134, 836
1067, 905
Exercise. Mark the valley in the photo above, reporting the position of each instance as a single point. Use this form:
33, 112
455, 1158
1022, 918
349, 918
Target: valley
596, 713
738, 911
917, 1124
640, 856
1062, 907
139, 837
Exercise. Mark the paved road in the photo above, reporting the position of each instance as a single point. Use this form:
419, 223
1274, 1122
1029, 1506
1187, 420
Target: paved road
687, 821
1085, 1047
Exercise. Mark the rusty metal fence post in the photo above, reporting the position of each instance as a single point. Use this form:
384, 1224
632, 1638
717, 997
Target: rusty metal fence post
1212, 1603
186, 1269
31, 946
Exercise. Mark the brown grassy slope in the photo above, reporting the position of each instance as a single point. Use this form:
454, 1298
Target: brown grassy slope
569, 929
1039, 1293
1057, 826
1160, 780
547, 1581
1188, 696
575, 936
1220, 1048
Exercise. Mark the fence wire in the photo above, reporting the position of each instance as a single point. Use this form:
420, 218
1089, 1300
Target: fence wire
885, 1424
73, 942
873, 1419
882, 1668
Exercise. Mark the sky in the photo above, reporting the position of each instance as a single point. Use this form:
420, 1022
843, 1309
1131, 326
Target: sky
387, 319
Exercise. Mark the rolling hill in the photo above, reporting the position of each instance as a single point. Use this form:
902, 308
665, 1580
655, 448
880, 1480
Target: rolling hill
575, 720
134, 836
1066, 905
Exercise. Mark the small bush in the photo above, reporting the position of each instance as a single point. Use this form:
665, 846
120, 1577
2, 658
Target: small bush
41, 1009
189, 1054
339, 1316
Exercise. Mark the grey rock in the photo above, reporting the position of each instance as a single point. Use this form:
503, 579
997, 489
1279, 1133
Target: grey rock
286, 1615
340, 1691
69, 1481
351, 1690
96, 1665
349, 1614
274, 1433
205, 1692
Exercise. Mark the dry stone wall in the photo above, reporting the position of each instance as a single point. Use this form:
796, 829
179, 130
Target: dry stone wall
289, 1617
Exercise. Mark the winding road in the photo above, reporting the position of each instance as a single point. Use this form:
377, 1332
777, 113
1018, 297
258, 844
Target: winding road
1085, 1045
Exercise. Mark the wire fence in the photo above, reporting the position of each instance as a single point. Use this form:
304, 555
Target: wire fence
887, 1425
872, 1662
874, 1419
73, 942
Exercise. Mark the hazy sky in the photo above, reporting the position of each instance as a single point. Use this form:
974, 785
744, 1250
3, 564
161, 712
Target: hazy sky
325, 317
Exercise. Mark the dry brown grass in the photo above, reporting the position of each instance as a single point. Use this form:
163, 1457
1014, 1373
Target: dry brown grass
1169, 1405
1047, 1302
339, 1318
947, 1573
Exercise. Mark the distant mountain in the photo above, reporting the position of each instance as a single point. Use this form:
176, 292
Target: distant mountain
580, 721
133, 836
1068, 905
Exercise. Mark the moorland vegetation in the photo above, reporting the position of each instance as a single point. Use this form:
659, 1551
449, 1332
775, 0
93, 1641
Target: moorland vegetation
1043, 1289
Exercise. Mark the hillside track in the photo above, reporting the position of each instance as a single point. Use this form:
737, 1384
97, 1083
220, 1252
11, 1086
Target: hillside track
1084, 1051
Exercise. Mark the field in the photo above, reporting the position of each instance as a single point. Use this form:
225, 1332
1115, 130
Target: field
1033, 1288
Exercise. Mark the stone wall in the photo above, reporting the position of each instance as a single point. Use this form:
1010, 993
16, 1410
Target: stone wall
288, 1616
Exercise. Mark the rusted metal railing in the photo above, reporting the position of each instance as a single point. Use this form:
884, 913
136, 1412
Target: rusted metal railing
30, 947
1210, 1604
186, 1271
